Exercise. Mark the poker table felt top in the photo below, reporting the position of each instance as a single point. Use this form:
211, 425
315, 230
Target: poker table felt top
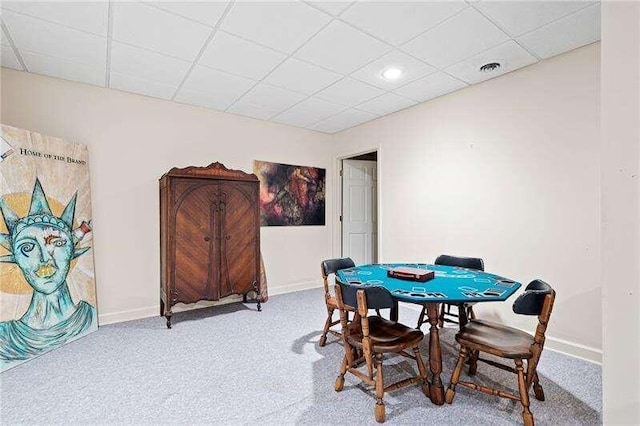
451, 284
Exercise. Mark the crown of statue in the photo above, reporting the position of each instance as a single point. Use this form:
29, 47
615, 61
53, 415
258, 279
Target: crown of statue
39, 215
40, 219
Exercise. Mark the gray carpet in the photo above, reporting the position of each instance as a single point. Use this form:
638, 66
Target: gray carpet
231, 364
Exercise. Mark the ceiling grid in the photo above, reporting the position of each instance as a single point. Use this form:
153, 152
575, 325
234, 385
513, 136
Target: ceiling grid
107, 77
204, 47
312, 64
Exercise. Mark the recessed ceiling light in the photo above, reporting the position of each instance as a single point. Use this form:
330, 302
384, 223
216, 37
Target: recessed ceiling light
392, 73
490, 67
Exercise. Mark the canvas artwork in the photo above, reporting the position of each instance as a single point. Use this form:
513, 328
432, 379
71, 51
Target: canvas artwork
47, 284
290, 195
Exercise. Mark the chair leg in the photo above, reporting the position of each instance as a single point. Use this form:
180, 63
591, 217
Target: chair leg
470, 313
325, 330
473, 362
422, 369
339, 385
421, 317
380, 410
455, 376
527, 417
537, 388
441, 317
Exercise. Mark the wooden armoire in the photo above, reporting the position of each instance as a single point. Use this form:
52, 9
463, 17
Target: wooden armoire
209, 235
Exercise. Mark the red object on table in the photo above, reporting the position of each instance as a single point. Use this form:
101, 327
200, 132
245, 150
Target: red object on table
413, 274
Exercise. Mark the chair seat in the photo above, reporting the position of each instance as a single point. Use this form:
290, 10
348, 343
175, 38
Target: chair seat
496, 339
386, 336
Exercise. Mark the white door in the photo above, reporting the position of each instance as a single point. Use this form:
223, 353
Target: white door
359, 186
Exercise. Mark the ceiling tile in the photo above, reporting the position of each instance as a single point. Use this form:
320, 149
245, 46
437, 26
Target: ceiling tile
147, 65
55, 67
579, 29
232, 54
86, 16
334, 8
208, 13
519, 17
308, 112
386, 104
213, 89
509, 55
412, 69
342, 120
349, 92
55, 40
398, 22
8, 59
283, 26
146, 26
265, 101
341, 48
430, 87
458, 38
141, 86
301, 77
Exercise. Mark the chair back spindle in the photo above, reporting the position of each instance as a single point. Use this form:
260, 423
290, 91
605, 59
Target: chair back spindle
328, 267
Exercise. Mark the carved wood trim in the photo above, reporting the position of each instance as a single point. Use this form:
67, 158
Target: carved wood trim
215, 170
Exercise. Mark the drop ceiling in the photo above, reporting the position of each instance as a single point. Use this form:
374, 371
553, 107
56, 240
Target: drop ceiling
311, 64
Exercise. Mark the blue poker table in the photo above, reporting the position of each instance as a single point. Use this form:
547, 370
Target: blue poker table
450, 284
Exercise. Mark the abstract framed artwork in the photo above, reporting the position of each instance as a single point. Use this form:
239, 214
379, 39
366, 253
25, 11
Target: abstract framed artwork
291, 195
47, 284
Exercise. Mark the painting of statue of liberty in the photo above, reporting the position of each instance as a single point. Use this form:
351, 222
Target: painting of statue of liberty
42, 244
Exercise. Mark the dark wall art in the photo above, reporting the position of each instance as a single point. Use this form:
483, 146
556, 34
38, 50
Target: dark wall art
290, 195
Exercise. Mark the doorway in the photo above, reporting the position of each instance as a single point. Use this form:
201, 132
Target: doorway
359, 213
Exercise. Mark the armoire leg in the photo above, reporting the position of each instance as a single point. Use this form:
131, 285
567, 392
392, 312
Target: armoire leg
257, 290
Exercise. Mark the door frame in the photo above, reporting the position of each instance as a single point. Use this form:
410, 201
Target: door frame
337, 228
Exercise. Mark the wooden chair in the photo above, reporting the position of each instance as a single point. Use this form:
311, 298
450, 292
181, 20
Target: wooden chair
367, 338
327, 268
510, 343
445, 310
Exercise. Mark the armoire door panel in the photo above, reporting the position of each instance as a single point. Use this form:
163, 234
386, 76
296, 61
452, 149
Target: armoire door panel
195, 244
238, 243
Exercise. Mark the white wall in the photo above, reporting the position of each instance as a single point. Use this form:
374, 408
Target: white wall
620, 153
132, 141
507, 170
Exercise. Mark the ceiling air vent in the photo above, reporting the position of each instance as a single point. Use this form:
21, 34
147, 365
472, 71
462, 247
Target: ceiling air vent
490, 67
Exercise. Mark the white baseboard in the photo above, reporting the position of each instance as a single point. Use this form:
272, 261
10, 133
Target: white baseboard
133, 314
290, 288
575, 350
152, 311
